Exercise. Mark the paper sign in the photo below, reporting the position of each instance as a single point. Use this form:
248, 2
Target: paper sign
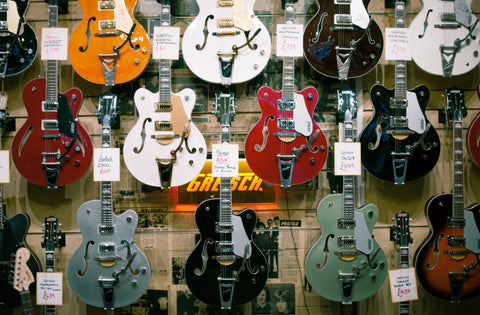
289, 40
165, 42
224, 160
347, 158
54, 43
397, 44
403, 284
106, 164
4, 167
49, 288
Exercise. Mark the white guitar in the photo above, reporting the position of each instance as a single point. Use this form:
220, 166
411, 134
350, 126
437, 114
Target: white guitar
444, 37
226, 43
164, 148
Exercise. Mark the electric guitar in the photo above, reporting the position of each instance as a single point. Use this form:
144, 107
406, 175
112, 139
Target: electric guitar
52, 148
342, 40
23, 278
400, 234
18, 42
226, 43
12, 237
171, 148
225, 268
473, 135
109, 46
346, 264
52, 238
399, 144
448, 264
108, 269
444, 37
286, 146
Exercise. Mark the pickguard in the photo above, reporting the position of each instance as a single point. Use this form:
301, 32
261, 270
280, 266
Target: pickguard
359, 14
241, 242
416, 118
471, 232
301, 116
364, 241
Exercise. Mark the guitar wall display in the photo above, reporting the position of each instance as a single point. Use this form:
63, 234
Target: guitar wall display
18, 42
171, 148
286, 146
448, 264
399, 144
108, 269
342, 40
226, 43
346, 264
444, 37
473, 135
225, 268
53, 238
52, 148
109, 46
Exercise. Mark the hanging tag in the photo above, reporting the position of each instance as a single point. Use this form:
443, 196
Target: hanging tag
106, 164
224, 160
165, 42
54, 43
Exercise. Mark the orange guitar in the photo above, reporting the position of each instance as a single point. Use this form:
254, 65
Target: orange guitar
109, 46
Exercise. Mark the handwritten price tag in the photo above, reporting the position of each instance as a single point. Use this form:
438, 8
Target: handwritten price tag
347, 158
289, 40
49, 288
397, 44
224, 160
54, 43
165, 42
106, 164
4, 166
403, 284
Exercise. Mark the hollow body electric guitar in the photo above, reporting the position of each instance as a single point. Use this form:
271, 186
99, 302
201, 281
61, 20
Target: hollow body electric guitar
399, 144
108, 269
171, 148
225, 268
286, 146
444, 37
473, 135
226, 43
342, 40
109, 46
448, 263
52, 148
18, 42
346, 264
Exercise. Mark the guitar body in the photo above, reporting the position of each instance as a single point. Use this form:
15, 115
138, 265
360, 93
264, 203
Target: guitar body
142, 145
322, 36
262, 144
203, 44
91, 39
202, 268
473, 135
30, 141
428, 40
434, 266
22, 47
90, 264
377, 141
12, 237
323, 265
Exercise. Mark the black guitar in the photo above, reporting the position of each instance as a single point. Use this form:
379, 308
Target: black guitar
12, 237
399, 144
225, 268
18, 42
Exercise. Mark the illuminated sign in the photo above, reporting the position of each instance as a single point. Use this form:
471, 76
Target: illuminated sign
246, 188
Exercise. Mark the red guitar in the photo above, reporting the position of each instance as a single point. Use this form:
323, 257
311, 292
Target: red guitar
448, 263
286, 146
51, 149
473, 135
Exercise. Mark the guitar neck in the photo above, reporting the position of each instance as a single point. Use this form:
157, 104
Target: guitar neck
225, 184
106, 188
288, 78
50, 267
26, 302
52, 65
164, 73
458, 197
400, 65
349, 180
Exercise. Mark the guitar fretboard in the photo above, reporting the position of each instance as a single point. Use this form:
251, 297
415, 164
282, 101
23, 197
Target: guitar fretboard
288, 78
164, 73
225, 184
400, 92
458, 199
106, 186
52, 65
348, 181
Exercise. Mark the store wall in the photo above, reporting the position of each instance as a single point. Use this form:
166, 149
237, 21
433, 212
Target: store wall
166, 232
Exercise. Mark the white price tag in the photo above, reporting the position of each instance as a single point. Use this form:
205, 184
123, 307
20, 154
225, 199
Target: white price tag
348, 158
49, 288
54, 43
289, 40
4, 166
106, 164
224, 160
397, 44
166, 42
403, 284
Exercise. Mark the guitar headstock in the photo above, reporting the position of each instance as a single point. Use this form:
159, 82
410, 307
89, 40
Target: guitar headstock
107, 114
53, 236
347, 105
455, 109
22, 275
225, 108
400, 232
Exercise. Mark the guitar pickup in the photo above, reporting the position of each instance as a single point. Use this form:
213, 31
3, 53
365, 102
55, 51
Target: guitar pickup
225, 3
449, 17
3, 25
342, 19
456, 241
163, 125
163, 107
225, 23
223, 228
285, 123
285, 105
346, 242
343, 223
458, 223
105, 25
49, 124
49, 106
398, 103
224, 248
106, 5
104, 229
